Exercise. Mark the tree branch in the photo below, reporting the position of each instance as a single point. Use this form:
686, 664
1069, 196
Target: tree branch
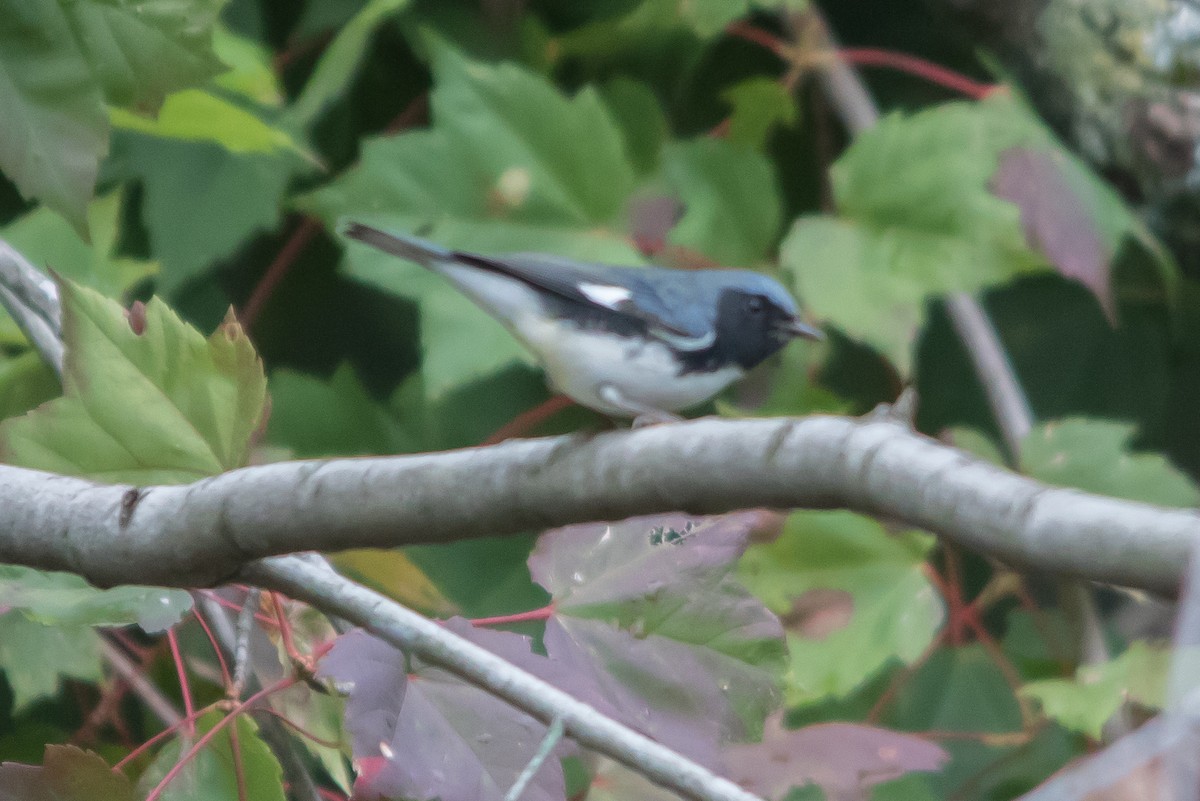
201, 534
32, 300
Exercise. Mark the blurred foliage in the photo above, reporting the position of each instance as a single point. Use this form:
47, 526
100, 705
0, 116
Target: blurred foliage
206, 151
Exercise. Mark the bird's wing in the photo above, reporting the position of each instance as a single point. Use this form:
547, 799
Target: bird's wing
647, 295
632, 292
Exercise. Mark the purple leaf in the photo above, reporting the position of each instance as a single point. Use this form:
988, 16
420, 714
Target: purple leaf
656, 686
67, 774
843, 758
647, 613
427, 733
1057, 220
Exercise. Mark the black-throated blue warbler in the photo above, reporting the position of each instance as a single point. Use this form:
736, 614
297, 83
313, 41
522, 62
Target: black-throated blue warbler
637, 342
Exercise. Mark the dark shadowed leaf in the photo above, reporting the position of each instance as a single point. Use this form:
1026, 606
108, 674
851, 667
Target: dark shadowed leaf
732, 208
66, 774
709, 17
639, 114
340, 60
201, 200
315, 417
647, 611
844, 759
426, 733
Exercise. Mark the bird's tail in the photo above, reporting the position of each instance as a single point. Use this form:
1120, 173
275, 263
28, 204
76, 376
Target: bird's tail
406, 247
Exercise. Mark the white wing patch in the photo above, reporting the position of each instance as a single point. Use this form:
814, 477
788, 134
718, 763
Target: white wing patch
605, 295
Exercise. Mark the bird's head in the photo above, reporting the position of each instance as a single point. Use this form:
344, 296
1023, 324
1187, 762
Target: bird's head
756, 317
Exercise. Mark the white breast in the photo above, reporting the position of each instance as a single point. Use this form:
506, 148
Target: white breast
578, 363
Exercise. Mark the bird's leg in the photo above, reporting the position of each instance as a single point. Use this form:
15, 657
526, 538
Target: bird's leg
642, 414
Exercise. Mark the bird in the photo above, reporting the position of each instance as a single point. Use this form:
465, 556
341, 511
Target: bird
629, 342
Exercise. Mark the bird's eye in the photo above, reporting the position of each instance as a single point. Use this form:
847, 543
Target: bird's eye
755, 305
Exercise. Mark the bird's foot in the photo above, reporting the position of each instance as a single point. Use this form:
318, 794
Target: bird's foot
655, 418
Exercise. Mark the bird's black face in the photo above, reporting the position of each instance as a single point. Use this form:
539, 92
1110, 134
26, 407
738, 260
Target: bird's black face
752, 326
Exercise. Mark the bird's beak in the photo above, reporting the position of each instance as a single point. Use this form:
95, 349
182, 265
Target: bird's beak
795, 327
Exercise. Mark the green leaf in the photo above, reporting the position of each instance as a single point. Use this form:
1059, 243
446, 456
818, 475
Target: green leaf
59, 64
918, 219
552, 157
319, 418
250, 74
66, 774
640, 116
1094, 455
64, 599
35, 657
852, 596
25, 382
198, 401
759, 104
733, 208
212, 775
976, 443
49, 241
510, 164
200, 116
46, 240
202, 201
321, 714
962, 690
1085, 703
709, 17
339, 62
140, 52
55, 130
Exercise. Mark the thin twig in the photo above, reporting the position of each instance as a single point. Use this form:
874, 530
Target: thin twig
270, 729
1010, 407
278, 270
32, 300
185, 689
245, 625
142, 687
549, 743
207, 737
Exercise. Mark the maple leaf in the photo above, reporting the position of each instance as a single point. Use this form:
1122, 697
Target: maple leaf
647, 611
844, 759
419, 731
